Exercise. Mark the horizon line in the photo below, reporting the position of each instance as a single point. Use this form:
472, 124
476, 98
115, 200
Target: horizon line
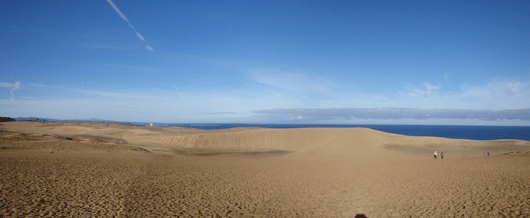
94, 120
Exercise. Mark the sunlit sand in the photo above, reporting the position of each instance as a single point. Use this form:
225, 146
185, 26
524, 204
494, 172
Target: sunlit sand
100, 169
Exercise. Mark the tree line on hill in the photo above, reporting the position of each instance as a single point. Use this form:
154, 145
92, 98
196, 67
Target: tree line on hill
6, 119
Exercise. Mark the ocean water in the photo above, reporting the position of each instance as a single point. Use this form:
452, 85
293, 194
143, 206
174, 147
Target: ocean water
455, 132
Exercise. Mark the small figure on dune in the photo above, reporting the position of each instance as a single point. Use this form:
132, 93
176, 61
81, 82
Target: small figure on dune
435, 154
488, 154
442, 155
51, 151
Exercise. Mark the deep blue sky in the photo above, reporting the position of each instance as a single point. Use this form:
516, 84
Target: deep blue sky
271, 61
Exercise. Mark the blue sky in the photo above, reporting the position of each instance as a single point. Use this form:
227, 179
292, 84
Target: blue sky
359, 62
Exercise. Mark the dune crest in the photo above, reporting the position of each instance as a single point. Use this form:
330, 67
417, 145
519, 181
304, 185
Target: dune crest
318, 142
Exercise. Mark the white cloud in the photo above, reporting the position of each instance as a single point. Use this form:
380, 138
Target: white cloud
430, 87
128, 22
516, 87
417, 93
496, 95
14, 86
8, 85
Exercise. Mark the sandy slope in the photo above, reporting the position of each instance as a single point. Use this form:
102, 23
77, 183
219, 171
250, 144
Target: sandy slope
103, 170
323, 142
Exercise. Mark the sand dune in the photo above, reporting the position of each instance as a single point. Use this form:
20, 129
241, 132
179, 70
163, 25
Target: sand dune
321, 142
119, 170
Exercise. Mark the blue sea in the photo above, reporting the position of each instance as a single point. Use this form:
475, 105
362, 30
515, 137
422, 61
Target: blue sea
455, 132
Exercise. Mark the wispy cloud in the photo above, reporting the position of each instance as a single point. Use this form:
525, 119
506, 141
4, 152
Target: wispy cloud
179, 92
420, 92
430, 87
14, 86
496, 94
128, 22
445, 78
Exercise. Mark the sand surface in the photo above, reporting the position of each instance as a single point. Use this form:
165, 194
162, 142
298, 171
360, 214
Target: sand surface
119, 170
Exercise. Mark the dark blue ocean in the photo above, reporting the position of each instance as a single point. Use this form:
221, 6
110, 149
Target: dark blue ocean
455, 132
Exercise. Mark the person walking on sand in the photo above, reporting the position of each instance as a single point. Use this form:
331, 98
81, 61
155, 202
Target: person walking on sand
435, 154
442, 155
51, 151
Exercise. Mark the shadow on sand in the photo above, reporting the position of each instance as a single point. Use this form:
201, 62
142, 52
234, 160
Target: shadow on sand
205, 152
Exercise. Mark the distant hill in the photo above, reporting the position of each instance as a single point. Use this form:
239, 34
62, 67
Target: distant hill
36, 119
39, 119
6, 119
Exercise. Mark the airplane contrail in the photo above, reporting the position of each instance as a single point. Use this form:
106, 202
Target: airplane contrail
128, 22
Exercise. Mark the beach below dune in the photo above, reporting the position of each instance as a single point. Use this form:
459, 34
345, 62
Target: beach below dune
109, 177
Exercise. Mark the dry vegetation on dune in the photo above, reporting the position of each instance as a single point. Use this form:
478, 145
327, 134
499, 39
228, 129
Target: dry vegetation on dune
102, 170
